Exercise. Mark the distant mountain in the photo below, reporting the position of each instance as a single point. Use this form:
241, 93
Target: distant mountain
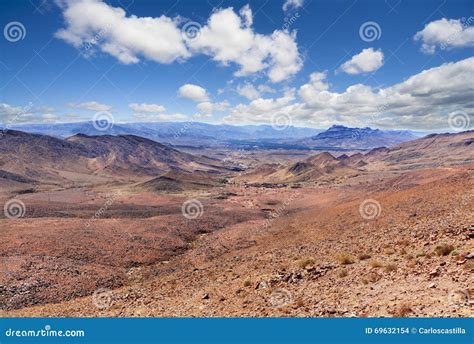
339, 136
195, 133
87, 159
434, 150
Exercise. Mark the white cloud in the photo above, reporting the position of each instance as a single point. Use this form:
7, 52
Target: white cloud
228, 37
92, 106
209, 108
11, 115
446, 34
146, 117
265, 89
95, 24
423, 101
368, 60
248, 91
144, 107
317, 85
261, 110
292, 4
246, 13
193, 92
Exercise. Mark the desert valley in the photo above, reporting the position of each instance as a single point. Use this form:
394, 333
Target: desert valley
343, 222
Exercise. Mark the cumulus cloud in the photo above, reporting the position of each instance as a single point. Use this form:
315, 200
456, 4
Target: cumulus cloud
247, 16
92, 106
147, 117
446, 34
193, 92
368, 60
95, 24
248, 91
262, 110
292, 4
228, 38
11, 115
144, 107
423, 101
208, 108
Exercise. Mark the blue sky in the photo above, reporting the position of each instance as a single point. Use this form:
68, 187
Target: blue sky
302, 73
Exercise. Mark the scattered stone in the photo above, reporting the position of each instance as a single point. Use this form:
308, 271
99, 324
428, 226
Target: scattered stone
435, 273
432, 285
205, 296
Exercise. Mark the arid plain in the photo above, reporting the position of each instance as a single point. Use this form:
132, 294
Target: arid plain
125, 226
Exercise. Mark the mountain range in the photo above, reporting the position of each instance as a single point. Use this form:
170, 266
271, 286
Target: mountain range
247, 136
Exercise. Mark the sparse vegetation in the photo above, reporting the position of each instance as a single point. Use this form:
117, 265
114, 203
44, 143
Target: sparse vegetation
343, 273
390, 267
403, 310
374, 277
303, 263
364, 256
376, 264
344, 258
247, 283
469, 266
444, 249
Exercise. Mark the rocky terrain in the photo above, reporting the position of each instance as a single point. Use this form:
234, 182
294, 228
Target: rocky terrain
385, 233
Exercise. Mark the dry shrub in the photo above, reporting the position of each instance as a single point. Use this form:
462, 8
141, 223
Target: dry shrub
343, 273
389, 251
390, 267
344, 258
403, 243
299, 303
468, 266
364, 256
376, 263
305, 262
444, 249
373, 277
247, 283
402, 311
